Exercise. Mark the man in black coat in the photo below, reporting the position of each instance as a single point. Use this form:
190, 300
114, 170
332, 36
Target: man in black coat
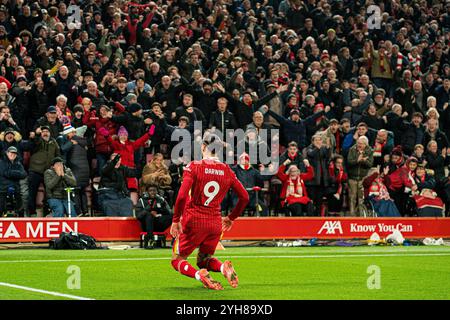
113, 194
434, 133
319, 156
154, 213
296, 158
294, 128
188, 110
222, 119
412, 133
11, 172
250, 178
50, 120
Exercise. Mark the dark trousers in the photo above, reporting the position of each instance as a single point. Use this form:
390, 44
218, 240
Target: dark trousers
316, 194
401, 199
301, 210
102, 158
139, 160
152, 224
15, 200
34, 180
81, 204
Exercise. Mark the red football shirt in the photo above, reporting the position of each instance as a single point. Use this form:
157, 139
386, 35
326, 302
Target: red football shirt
205, 185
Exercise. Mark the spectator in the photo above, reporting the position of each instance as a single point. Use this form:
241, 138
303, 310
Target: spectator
294, 194
51, 121
294, 128
423, 179
436, 160
338, 180
154, 213
222, 119
58, 179
319, 155
360, 160
98, 120
156, 173
413, 133
73, 150
126, 148
113, 194
250, 178
6, 120
433, 132
383, 146
400, 183
11, 172
377, 193
45, 149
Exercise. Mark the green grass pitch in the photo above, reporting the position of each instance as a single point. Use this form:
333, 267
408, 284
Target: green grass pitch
264, 273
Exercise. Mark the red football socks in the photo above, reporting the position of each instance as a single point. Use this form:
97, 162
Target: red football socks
184, 267
211, 264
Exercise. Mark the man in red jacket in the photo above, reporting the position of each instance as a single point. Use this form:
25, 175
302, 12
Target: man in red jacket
400, 183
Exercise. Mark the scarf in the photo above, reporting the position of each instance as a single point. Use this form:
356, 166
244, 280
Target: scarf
379, 189
339, 176
399, 61
383, 191
378, 149
291, 190
414, 61
245, 167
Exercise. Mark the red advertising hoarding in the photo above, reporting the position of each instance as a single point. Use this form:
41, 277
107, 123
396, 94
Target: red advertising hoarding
128, 229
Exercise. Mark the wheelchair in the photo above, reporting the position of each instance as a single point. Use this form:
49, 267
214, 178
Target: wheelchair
366, 209
10, 203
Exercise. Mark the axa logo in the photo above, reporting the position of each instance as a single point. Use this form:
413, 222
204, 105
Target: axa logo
331, 227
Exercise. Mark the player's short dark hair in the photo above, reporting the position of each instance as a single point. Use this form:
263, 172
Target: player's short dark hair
293, 144
212, 142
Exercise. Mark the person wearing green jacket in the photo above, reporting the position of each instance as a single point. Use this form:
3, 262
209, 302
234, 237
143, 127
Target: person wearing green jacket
57, 179
359, 161
45, 149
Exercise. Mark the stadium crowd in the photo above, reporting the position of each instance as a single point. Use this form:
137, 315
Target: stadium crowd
91, 92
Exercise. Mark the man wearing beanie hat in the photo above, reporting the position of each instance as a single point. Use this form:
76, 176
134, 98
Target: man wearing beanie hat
331, 43
134, 107
250, 178
56, 179
11, 173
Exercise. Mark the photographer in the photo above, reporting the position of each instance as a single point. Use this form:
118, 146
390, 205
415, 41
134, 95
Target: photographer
154, 213
113, 194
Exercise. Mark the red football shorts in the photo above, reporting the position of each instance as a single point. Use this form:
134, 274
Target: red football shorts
195, 235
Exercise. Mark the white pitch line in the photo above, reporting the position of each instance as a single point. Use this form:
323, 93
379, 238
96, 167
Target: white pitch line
52, 293
246, 257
